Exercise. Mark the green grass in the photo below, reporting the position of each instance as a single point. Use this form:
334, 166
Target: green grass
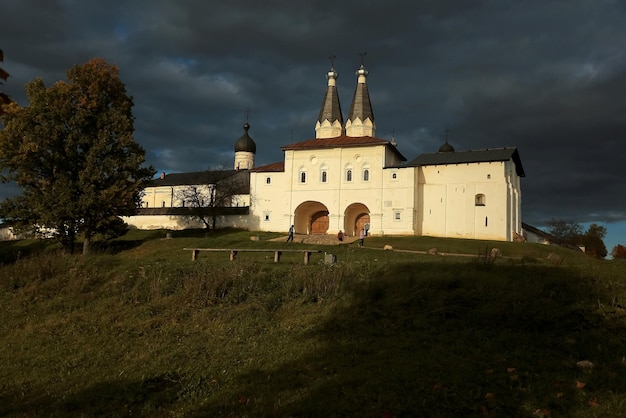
138, 329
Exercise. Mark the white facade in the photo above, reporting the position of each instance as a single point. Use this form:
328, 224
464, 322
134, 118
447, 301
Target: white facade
347, 180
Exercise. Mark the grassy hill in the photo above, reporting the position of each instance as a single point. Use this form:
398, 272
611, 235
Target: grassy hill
138, 329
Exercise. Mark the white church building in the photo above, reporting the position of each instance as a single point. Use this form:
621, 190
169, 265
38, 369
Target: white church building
346, 179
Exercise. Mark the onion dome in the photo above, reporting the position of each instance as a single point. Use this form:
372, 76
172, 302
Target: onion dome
446, 148
245, 143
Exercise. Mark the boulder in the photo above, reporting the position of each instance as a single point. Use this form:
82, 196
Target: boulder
388, 247
555, 258
495, 252
432, 251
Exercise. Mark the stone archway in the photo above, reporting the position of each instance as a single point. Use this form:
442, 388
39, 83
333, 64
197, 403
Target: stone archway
311, 217
356, 217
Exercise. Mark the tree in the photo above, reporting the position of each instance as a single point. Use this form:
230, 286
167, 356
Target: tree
593, 241
4, 99
565, 232
571, 234
619, 251
72, 152
216, 191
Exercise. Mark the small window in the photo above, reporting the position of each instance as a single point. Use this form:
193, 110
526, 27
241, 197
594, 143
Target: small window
397, 216
486, 221
324, 177
303, 177
348, 175
366, 175
267, 217
394, 175
163, 204
488, 176
268, 180
479, 200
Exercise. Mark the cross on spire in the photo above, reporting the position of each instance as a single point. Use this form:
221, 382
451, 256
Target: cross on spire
362, 55
332, 61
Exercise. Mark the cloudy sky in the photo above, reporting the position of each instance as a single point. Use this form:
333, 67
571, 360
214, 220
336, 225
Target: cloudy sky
547, 77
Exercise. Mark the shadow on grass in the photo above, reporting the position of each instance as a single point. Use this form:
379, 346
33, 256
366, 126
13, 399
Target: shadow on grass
108, 399
427, 339
10, 251
441, 342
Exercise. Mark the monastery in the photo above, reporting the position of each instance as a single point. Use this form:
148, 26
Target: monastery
347, 179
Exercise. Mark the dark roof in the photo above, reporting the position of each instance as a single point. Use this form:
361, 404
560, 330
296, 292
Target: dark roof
195, 177
205, 177
361, 105
472, 156
331, 109
270, 168
538, 232
245, 143
342, 141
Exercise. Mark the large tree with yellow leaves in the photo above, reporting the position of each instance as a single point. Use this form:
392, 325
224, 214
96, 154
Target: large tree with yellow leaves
72, 152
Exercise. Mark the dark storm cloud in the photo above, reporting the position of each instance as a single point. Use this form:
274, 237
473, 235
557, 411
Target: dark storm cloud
544, 76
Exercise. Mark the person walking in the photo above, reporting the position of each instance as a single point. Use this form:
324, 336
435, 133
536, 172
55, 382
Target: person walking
291, 231
361, 237
340, 236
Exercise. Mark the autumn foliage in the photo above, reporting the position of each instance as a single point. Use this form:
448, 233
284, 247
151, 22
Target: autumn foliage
72, 152
619, 251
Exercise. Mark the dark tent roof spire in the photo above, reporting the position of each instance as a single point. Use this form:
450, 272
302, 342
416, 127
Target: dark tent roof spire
330, 120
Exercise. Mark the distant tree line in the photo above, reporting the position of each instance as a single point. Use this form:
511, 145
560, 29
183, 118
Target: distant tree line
571, 234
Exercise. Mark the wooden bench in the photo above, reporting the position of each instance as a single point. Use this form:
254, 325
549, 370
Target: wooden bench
233, 252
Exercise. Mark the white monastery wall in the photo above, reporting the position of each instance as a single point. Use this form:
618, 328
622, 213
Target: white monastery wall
477, 201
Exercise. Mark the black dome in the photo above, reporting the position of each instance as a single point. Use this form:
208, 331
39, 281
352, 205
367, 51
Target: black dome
245, 143
446, 148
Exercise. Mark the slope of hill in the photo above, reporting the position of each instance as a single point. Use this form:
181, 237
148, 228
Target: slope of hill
140, 329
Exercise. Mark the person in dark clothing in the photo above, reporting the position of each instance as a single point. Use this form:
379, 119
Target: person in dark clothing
291, 231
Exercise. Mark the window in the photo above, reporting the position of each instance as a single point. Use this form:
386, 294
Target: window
394, 176
397, 216
348, 175
479, 199
324, 177
267, 217
163, 203
303, 177
268, 180
366, 175
488, 176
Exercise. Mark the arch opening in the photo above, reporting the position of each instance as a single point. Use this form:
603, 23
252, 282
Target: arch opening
356, 217
311, 217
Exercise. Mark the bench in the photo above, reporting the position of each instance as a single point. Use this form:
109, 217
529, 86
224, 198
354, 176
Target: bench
233, 252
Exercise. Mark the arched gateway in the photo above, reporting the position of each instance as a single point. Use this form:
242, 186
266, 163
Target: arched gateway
356, 217
311, 218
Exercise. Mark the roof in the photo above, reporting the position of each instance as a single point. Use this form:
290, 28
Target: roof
472, 156
331, 108
537, 231
204, 177
269, 168
361, 105
195, 177
245, 143
342, 141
